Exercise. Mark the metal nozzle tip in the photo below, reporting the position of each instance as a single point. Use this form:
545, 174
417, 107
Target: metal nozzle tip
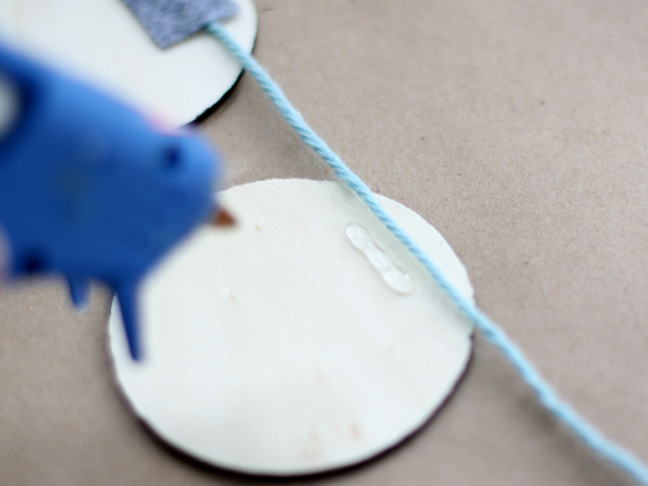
223, 219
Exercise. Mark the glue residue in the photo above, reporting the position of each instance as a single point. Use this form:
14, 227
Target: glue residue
397, 279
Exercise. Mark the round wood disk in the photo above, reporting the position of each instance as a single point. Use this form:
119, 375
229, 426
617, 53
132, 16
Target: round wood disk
278, 348
102, 41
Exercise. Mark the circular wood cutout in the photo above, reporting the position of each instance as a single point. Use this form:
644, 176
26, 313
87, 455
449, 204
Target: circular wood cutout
305, 340
102, 41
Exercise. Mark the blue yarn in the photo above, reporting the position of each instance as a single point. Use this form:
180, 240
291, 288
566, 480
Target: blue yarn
561, 410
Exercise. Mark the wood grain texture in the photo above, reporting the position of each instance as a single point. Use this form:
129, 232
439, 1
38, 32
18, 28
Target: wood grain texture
279, 349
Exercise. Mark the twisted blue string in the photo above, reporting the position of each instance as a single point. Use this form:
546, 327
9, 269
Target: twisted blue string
546, 395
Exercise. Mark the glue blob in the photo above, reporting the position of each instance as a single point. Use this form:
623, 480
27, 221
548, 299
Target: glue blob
397, 279
278, 349
102, 41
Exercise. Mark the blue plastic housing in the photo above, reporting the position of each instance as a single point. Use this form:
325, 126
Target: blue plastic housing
90, 189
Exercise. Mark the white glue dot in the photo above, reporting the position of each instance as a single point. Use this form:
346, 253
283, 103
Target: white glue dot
277, 349
396, 278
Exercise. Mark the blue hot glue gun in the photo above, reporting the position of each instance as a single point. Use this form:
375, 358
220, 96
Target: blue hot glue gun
90, 189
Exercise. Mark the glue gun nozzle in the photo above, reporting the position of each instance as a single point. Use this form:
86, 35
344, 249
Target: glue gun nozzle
223, 219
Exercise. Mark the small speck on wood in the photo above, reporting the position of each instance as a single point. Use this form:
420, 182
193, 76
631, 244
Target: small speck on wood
355, 431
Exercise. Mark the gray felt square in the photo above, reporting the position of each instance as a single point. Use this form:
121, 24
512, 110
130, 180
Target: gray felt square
170, 21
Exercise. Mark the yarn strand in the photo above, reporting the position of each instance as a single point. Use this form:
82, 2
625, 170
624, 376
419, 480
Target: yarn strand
546, 395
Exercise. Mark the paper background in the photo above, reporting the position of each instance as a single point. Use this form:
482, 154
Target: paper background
519, 130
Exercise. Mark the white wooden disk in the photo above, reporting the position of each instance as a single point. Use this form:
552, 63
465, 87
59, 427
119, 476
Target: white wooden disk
279, 349
102, 41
